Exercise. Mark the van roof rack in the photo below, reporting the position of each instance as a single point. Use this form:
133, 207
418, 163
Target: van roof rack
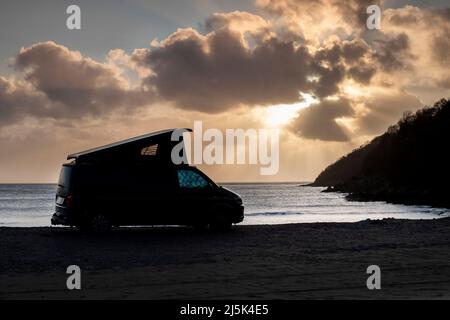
126, 144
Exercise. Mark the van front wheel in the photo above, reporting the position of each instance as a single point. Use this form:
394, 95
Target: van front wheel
220, 223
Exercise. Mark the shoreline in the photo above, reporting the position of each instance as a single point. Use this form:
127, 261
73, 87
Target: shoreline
407, 199
291, 261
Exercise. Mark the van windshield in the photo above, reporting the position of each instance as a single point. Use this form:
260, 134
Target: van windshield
65, 176
191, 180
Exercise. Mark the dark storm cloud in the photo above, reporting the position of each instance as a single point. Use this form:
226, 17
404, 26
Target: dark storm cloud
346, 58
217, 72
330, 78
62, 84
354, 50
343, 50
319, 120
79, 85
220, 70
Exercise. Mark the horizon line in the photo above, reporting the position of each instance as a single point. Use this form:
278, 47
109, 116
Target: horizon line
219, 182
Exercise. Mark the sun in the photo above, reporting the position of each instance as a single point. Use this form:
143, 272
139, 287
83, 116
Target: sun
280, 114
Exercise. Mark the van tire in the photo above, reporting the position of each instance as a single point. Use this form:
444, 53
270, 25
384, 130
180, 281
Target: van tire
98, 223
220, 222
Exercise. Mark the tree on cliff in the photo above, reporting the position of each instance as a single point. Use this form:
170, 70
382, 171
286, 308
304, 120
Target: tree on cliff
409, 163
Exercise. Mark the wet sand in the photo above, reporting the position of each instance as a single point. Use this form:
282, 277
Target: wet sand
295, 261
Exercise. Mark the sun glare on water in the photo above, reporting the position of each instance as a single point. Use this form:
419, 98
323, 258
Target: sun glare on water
280, 114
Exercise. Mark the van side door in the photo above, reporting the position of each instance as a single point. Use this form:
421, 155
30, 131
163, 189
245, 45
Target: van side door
151, 195
195, 197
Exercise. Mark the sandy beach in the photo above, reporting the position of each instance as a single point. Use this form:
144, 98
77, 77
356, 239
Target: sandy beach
295, 261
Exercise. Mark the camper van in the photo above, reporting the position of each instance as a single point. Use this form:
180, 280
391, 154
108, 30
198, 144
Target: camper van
134, 182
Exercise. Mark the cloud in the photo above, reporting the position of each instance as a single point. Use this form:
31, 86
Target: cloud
238, 21
75, 86
350, 59
441, 47
384, 109
245, 60
18, 99
392, 52
219, 71
444, 82
362, 73
319, 120
355, 11
428, 29
237, 64
58, 101
404, 17
317, 20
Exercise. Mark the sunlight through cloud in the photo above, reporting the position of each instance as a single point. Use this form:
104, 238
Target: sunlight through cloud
281, 114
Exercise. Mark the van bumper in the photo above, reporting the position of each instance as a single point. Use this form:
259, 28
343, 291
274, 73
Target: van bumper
239, 214
62, 217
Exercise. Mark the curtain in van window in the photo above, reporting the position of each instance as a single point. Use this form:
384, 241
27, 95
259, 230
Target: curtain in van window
191, 179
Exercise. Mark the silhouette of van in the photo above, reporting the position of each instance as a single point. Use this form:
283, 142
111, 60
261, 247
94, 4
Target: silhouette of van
134, 182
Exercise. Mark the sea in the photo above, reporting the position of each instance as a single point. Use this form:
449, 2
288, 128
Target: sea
32, 205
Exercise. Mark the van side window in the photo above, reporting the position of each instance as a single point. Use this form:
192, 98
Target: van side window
191, 179
150, 150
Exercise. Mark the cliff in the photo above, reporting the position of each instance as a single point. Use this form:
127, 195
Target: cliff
408, 164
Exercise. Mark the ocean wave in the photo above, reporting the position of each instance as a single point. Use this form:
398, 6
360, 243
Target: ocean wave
272, 213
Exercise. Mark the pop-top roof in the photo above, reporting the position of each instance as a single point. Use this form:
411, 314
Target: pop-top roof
149, 136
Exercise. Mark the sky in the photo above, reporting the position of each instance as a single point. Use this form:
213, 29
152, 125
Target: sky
311, 69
